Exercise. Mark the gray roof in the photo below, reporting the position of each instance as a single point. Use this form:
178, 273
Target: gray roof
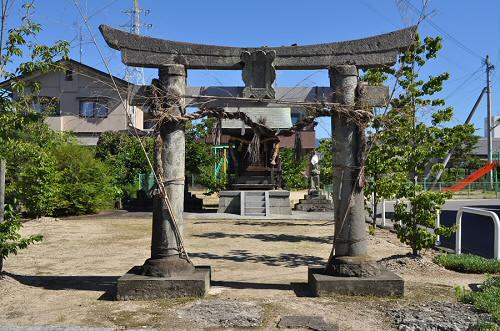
276, 118
481, 148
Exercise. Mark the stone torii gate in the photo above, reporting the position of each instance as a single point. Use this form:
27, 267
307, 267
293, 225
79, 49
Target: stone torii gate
169, 272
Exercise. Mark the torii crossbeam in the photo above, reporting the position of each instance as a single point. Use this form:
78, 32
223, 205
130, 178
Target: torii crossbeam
365, 53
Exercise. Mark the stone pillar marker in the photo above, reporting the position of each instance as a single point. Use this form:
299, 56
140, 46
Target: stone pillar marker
170, 167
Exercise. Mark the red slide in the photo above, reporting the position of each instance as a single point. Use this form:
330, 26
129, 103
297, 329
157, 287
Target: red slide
472, 178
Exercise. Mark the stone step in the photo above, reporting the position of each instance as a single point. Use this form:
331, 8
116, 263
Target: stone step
255, 197
315, 201
259, 204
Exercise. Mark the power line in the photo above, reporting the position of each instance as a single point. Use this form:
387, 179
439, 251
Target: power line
441, 30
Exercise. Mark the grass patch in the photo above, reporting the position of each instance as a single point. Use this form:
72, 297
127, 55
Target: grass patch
486, 299
485, 326
468, 263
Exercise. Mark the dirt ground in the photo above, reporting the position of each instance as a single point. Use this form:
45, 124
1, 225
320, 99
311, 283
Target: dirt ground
68, 278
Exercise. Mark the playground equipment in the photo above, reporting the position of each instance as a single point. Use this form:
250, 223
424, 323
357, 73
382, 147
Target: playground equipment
490, 166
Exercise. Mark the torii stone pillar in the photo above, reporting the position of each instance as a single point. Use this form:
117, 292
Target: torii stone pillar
167, 273
350, 270
350, 228
165, 258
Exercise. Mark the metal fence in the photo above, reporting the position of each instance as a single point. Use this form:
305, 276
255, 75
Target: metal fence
475, 190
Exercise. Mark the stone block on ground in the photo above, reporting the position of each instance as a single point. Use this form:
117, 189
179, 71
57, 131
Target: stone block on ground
314, 203
384, 284
223, 313
134, 286
316, 323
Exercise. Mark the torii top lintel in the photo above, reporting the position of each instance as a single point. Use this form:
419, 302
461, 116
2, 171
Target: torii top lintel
365, 53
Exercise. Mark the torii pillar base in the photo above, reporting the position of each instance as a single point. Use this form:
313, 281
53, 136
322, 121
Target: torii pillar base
135, 286
383, 284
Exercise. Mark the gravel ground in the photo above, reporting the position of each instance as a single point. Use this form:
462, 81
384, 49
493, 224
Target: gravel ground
407, 263
223, 313
440, 316
66, 279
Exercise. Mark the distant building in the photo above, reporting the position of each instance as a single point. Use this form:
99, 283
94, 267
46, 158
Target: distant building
84, 100
481, 148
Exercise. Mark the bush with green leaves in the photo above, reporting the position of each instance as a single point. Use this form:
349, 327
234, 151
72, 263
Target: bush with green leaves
293, 171
468, 263
417, 216
200, 159
10, 239
486, 299
86, 183
125, 156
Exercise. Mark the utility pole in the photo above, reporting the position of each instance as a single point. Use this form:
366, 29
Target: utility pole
489, 68
3, 170
448, 157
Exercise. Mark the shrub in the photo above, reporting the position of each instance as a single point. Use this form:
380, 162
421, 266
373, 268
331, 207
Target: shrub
87, 185
486, 299
417, 215
468, 263
37, 186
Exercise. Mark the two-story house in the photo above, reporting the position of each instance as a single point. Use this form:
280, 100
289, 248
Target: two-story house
85, 101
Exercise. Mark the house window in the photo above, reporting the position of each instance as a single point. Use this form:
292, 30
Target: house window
68, 76
94, 108
47, 105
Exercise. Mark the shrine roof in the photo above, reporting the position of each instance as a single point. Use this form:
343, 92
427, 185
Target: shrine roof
275, 117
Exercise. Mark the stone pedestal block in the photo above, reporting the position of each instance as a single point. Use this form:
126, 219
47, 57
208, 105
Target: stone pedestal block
134, 286
279, 202
384, 284
314, 203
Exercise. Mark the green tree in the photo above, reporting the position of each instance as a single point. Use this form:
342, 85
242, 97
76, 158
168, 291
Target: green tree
24, 138
326, 162
410, 139
126, 159
10, 239
293, 171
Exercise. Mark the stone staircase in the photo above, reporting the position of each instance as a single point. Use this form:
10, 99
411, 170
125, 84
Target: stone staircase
254, 203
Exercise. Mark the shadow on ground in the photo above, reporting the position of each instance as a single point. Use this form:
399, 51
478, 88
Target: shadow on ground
105, 284
261, 223
267, 237
300, 289
286, 260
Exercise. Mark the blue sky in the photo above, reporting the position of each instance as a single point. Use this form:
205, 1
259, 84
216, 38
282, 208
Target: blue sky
471, 29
